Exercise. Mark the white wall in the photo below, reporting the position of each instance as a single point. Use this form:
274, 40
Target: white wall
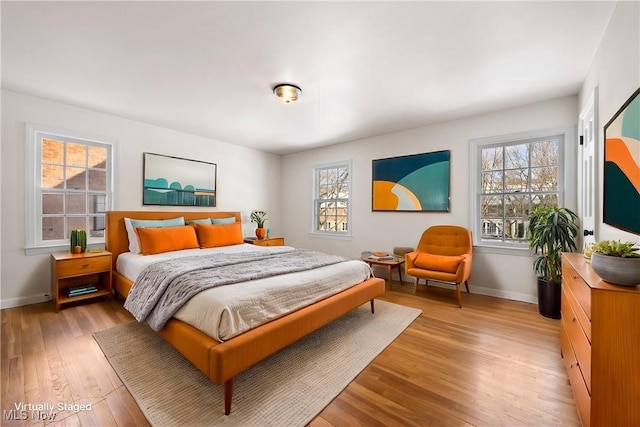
247, 179
509, 276
616, 72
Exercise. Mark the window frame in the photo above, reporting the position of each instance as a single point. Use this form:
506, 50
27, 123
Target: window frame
566, 181
347, 235
34, 133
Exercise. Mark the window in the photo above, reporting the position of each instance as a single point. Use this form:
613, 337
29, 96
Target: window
69, 185
511, 176
332, 192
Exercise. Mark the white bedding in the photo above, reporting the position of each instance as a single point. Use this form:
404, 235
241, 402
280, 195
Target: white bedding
226, 311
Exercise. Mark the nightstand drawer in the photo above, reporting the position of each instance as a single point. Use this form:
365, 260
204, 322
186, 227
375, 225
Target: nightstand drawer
83, 266
269, 241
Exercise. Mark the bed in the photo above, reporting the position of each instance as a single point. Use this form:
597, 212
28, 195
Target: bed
222, 361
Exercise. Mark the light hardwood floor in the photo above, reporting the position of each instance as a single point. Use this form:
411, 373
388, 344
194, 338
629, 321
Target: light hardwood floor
493, 362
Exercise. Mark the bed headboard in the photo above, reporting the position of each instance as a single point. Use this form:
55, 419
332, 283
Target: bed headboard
117, 241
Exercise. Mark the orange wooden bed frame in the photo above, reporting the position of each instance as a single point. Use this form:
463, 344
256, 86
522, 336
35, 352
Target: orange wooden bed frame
221, 362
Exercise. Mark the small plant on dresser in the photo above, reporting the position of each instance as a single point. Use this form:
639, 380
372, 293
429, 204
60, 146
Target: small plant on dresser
617, 262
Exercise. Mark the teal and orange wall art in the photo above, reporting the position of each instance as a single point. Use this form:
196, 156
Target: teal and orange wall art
621, 205
417, 182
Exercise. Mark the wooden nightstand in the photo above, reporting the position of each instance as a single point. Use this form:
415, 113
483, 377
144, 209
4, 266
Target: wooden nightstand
69, 270
271, 241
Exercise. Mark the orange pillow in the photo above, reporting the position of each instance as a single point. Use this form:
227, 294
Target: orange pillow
213, 236
166, 239
447, 264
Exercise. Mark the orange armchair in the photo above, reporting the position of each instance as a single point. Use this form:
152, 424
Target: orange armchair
444, 254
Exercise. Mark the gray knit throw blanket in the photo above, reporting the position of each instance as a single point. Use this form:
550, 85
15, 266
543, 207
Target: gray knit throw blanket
163, 287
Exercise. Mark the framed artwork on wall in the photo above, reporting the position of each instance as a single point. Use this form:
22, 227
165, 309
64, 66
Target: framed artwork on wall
412, 183
621, 193
173, 181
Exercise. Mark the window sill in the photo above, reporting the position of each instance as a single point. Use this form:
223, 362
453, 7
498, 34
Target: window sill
41, 250
500, 250
330, 236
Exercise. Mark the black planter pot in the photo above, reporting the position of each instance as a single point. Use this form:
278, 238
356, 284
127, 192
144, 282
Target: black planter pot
549, 298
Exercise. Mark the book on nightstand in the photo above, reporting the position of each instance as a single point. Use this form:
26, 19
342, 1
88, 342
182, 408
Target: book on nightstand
74, 291
381, 258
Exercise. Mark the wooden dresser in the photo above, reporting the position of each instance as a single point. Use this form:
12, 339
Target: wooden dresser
600, 339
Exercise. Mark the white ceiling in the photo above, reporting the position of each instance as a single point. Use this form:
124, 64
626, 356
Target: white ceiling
365, 68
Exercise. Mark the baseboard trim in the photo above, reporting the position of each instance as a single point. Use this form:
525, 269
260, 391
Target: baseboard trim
516, 296
20, 301
498, 293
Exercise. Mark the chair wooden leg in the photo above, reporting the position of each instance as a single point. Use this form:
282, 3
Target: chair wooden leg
459, 296
466, 284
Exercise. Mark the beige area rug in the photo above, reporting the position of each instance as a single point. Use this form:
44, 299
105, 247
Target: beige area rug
288, 388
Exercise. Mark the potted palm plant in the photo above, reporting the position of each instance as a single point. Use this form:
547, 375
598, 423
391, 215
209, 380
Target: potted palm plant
259, 217
552, 230
617, 262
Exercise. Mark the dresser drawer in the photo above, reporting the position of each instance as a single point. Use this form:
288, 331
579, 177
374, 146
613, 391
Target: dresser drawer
82, 266
578, 287
577, 338
579, 388
575, 314
578, 312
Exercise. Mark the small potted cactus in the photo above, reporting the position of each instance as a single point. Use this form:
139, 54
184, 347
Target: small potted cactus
78, 243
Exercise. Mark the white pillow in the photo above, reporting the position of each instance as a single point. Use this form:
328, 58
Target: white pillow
229, 220
134, 243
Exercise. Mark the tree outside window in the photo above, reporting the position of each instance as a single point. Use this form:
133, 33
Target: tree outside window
515, 178
332, 198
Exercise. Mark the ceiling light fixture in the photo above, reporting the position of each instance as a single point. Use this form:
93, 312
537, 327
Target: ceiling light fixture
287, 93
